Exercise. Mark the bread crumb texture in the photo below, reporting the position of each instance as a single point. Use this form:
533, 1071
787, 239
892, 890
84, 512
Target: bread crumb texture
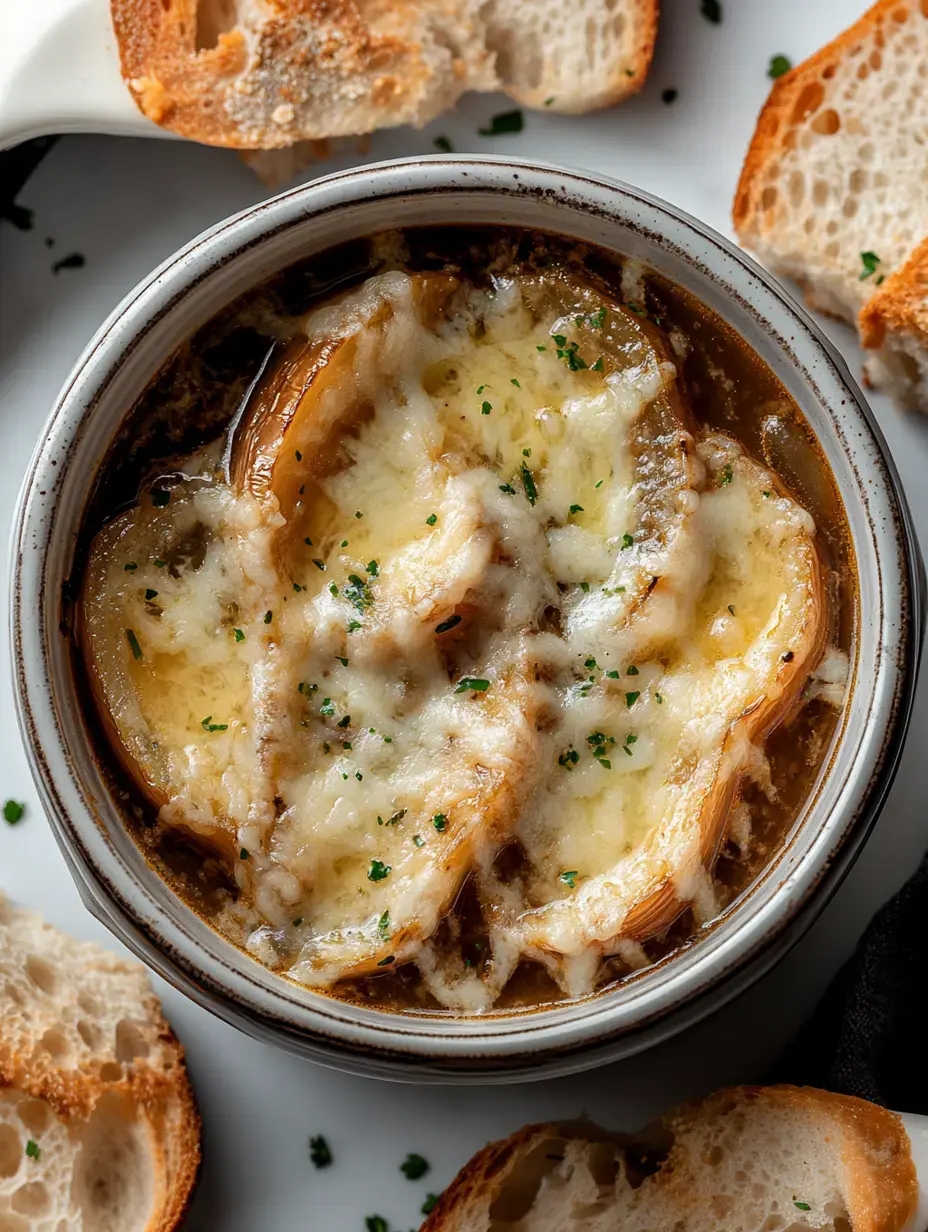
250, 74
98, 1127
836, 167
750, 1159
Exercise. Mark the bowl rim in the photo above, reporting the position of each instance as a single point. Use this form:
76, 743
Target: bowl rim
539, 1042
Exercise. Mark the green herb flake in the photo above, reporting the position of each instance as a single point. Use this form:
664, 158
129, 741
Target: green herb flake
731, 608
766, 494
568, 759
442, 143
451, 623
159, 498
631, 698
471, 684
712, 11
801, 1206
208, 725
298, 921
320, 1153
528, 483
631, 670
159, 564
344, 543
308, 542
507, 488
658, 699
13, 812
130, 567
480, 389
569, 878
432, 1200
414, 1167
327, 709
268, 617
344, 722
869, 261
238, 635
32, 1149
383, 926
358, 514
576, 509
540, 347
440, 822
320, 564
669, 95
548, 102
598, 365
627, 541
431, 519
486, 408
353, 626
134, 644
342, 659
297, 587
378, 871
358, 592
613, 675
243, 854
418, 840
526, 453
599, 484
513, 381
727, 476
388, 961
585, 587
778, 66
505, 122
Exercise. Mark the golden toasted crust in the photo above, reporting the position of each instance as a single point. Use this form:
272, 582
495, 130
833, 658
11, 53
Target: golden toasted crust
793, 98
881, 1188
900, 304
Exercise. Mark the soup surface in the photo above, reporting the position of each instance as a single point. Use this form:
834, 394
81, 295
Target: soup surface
466, 618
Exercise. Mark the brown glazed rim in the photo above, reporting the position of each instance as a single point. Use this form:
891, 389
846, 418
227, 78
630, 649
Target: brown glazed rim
117, 884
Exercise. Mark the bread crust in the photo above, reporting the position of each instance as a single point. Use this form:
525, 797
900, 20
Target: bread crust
900, 304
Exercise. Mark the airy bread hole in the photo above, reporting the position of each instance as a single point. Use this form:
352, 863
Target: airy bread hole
11, 1151
827, 124
130, 1040
113, 1179
13, 1223
55, 1042
90, 1033
32, 1199
42, 974
90, 1004
35, 1115
809, 100
517, 1196
110, 1071
768, 197
214, 17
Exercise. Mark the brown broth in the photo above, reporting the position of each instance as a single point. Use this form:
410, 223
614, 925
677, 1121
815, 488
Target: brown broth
200, 389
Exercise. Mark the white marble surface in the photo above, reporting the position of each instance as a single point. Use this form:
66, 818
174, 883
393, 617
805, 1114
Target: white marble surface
126, 204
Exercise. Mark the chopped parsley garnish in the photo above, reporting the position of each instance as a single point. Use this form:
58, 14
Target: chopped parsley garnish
712, 11
599, 746
159, 564
568, 352
320, 1153
450, 623
442, 143
767, 494
432, 1200
388, 961
486, 408
669, 96
629, 740
353, 626
130, 568
481, 388
727, 475
159, 498
320, 564
134, 644
585, 587
378, 871
801, 1206
308, 542
731, 608
513, 381
631, 698
548, 102
32, 1149
297, 587
598, 318
333, 590
870, 261
396, 818
597, 366
613, 675
505, 122
344, 722
658, 699
631, 670
326, 709
778, 66
268, 617
431, 519
526, 453
238, 635
528, 483
507, 488
298, 921
344, 543
13, 812
576, 509
299, 456
208, 725
414, 1167
243, 854
471, 684
358, 592
569, 878
599, 484
590, 662
373, 568
568, 759
440, 822
358, 514
343, 660
627, 541
540, 347
418, 840
383, 926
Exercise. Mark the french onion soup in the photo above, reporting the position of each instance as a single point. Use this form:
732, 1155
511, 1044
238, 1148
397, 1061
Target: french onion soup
466, 619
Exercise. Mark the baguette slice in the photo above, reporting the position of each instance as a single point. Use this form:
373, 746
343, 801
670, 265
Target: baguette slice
264, 76
749, 1158
894, 325
99, 1131
836, 167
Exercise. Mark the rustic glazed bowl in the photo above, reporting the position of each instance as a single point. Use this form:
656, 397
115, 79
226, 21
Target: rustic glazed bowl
114, 879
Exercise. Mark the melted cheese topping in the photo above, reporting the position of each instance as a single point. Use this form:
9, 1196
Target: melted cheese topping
517, 606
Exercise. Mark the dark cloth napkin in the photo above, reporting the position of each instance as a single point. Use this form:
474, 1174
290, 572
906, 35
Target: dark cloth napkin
867, 1036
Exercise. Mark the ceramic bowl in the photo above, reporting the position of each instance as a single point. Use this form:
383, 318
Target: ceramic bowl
111, 872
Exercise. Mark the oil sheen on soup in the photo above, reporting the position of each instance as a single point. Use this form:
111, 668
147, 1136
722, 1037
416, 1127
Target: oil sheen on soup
465, 618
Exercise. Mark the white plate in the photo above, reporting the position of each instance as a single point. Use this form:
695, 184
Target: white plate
126, 205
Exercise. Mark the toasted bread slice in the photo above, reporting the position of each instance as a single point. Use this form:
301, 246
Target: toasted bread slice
98, 1126
757, 632
836, 166
894, 326
264, 77
747, 1158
